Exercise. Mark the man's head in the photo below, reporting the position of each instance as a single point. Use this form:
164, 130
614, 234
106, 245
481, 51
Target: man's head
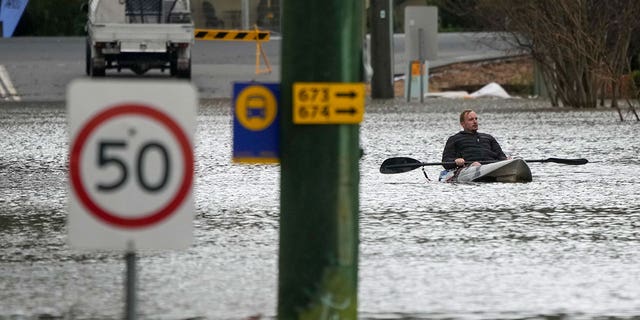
469, 120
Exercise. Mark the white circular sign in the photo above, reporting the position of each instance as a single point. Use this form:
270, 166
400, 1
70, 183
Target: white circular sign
131, 166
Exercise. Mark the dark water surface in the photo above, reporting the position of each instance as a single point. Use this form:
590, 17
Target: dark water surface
565, 246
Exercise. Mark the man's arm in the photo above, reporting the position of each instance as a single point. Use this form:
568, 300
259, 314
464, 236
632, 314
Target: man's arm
449, 153
495, 147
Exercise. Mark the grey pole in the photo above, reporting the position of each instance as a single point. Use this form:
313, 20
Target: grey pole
130, 287
407, 80
245, 14
421, 61
381, 22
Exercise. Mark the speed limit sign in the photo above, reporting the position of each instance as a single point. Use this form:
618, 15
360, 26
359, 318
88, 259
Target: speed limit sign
131, 164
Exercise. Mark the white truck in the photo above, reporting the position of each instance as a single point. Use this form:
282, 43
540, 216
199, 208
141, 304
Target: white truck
139, 35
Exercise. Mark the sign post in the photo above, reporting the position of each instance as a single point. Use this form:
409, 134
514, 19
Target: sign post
131, 167
322, 106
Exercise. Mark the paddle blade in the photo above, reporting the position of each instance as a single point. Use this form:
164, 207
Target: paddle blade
399, 165
575, 162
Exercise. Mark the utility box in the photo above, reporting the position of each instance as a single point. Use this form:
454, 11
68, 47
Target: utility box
421, 44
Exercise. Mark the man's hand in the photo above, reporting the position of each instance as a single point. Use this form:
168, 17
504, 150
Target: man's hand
460, 163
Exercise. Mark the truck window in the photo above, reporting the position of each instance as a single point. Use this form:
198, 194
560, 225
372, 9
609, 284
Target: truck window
144, 11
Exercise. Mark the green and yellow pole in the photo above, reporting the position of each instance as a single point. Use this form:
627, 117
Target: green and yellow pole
318, 259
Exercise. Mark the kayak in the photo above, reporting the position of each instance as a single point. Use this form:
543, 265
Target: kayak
512, 170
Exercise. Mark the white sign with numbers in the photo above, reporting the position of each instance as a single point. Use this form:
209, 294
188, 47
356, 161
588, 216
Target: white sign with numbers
131, 164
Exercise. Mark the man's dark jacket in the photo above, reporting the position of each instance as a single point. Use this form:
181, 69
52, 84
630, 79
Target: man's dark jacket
471, 147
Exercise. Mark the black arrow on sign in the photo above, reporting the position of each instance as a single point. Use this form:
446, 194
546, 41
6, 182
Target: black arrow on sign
351, 110
350, 94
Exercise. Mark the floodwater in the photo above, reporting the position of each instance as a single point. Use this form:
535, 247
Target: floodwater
565, 246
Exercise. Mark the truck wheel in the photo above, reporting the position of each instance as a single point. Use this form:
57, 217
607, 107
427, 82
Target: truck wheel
97, 71
185, 73
88, 59
173, 67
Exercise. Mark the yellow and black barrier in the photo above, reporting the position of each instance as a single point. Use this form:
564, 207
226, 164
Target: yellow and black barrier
231, 35
239, 35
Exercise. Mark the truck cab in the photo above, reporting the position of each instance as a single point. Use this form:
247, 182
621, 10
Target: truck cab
139, 35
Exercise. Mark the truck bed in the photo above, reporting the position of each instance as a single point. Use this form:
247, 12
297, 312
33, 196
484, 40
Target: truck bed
154, 37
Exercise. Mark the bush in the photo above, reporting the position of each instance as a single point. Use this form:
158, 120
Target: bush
635, 75
52, 18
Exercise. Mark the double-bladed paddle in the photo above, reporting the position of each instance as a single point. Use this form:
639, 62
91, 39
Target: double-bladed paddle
404, 164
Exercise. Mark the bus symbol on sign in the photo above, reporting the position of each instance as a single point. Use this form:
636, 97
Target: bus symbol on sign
256, 107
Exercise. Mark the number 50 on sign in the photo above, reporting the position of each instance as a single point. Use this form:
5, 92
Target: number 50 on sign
131, 164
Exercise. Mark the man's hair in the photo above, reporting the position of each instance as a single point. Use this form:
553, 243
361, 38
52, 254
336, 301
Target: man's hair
464, 114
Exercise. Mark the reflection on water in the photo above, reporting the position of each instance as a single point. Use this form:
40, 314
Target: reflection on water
562, 246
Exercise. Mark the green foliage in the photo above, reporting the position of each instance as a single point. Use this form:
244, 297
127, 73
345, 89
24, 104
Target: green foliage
52, 18
66, 18
453, 15
635, 75
456, 16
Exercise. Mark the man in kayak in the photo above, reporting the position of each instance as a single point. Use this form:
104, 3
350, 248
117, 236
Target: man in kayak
470, 145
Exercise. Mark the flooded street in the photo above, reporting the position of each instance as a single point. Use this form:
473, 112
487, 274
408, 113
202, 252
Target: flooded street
564, 246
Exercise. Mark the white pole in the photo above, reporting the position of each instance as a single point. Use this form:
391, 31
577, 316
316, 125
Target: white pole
245, 14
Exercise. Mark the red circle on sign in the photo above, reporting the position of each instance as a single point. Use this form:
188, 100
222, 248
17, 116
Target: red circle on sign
110, 217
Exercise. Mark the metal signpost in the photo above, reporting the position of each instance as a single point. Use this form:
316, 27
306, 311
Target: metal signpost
131, 167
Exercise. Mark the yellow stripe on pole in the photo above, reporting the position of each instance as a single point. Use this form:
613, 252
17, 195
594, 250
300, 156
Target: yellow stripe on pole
231, 35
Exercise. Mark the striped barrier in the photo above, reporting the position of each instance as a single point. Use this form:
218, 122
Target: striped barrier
231, 35
239, 35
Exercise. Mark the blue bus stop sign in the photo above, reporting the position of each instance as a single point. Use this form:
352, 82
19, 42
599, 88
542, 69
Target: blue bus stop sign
256, 122
10, 13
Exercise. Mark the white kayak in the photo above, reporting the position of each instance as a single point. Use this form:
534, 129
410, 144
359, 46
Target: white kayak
513, 170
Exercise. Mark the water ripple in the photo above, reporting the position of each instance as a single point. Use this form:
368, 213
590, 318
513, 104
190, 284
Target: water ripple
564, 246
